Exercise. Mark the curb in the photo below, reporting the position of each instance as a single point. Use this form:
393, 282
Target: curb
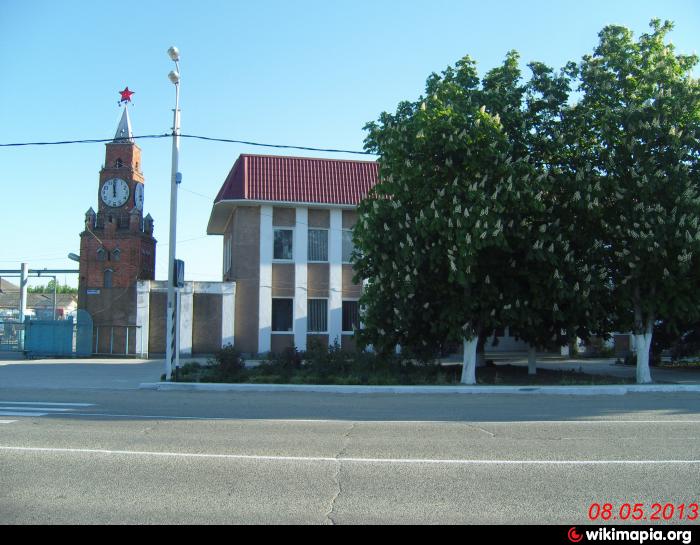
422, 390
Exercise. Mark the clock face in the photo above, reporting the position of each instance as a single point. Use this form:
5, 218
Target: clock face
115, 192
138, 196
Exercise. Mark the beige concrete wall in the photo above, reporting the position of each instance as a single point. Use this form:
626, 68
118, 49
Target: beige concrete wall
283, 217
318, 279
245, 233
350, 289
206, 323
283, 280
156, 322
280, 342
317, 339
319, 218
349, 219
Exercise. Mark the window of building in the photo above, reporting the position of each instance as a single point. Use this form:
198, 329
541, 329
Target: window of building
283, 244
101, 254
227, 262
351, 316
116, 254
282, 315
108, 278
318, 245
348, 246
317, 315
118, 163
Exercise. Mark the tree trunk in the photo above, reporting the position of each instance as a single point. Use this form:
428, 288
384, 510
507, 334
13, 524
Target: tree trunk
469, 360
642, 343
642, 339
532, 361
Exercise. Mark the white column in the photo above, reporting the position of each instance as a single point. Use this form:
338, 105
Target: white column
301, 250
265, 295
186, 318
143, 315
335, 293
228, 307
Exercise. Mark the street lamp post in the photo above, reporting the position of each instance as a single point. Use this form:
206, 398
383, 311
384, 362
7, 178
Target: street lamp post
172, 349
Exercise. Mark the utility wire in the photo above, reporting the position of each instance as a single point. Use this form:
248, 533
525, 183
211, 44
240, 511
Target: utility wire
194, 136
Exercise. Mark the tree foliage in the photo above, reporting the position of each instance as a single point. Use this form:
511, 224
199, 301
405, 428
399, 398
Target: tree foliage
639, 132
460, 236
502, 203
49, 288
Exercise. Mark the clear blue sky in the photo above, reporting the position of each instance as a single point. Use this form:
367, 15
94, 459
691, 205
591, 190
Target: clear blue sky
307, 72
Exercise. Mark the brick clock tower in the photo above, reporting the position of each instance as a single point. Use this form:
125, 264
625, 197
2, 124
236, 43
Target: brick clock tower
117, 247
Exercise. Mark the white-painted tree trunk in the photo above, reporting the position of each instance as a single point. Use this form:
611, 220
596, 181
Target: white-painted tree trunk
532, 361
642, 343
469, 360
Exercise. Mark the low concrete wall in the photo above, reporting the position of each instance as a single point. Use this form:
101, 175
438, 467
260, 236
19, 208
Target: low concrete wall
206, 329
207, 311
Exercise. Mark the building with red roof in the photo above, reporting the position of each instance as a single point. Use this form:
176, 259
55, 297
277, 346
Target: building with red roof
287, 227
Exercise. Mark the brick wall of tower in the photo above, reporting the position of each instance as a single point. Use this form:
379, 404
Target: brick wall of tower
136, 258
130, 154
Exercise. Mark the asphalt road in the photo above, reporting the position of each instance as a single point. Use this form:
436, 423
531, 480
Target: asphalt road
192, 457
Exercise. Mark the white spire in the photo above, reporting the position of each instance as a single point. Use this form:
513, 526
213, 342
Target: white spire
124, 133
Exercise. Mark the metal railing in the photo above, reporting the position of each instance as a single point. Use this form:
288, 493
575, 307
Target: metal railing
10, 335
119, 337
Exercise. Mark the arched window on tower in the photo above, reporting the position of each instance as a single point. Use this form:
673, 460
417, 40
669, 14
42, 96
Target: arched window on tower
116, 254
101, 254
108, 278
118, 163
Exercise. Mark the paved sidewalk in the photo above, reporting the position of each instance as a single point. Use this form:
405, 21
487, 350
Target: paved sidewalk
120, 374
608, 367
91, 373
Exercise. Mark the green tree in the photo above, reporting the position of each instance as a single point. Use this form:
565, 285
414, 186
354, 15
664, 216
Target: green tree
458, 199
639, 123
562, 268
48, 288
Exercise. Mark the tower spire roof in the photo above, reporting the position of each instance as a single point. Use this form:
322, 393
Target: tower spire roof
124, 133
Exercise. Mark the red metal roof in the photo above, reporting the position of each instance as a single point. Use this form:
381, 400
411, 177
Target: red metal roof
298, 179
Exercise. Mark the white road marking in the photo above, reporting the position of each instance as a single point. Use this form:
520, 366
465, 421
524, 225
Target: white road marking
396, 461
37, 408
341, 421
17, 413
46, 403
47, 409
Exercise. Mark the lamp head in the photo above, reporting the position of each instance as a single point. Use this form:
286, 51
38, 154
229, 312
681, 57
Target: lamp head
174, 53
174, 77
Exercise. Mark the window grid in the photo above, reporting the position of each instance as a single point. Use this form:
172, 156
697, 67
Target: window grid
351, 316
317, 315
318, 245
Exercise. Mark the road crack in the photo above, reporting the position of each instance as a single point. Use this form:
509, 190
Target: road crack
472, 426
336, 477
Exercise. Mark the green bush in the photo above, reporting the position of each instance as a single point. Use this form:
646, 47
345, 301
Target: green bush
227, 366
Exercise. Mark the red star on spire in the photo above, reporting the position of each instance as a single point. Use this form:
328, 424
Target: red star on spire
126, 95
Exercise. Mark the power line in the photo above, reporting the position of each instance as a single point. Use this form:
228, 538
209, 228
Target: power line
193, 136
